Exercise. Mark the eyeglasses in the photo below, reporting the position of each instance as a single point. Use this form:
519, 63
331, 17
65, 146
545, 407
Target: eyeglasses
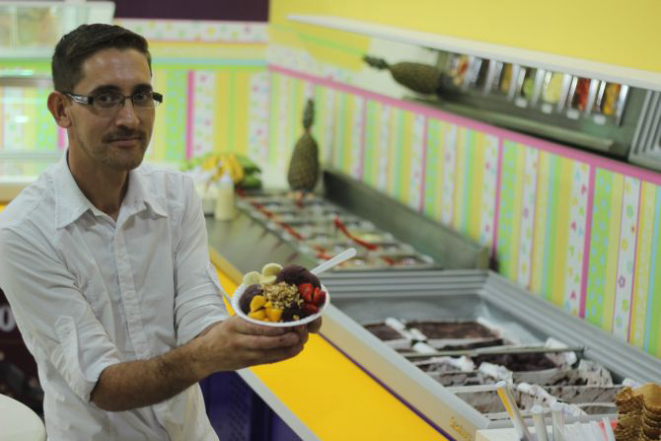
113, 101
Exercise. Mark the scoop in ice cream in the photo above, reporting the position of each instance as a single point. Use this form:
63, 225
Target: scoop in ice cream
250, 292
296, 275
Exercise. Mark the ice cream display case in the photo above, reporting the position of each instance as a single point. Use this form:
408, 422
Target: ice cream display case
441, 340
319, 226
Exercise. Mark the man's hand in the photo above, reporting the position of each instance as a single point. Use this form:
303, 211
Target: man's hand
225, 346
236, 343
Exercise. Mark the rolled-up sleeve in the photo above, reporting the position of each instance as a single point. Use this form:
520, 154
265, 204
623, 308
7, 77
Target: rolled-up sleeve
198, 301
55, 319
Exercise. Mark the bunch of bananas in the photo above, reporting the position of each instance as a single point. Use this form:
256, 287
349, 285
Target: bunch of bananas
240, 168
227, 163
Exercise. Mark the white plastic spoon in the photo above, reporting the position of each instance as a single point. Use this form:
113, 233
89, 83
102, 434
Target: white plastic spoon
330, 263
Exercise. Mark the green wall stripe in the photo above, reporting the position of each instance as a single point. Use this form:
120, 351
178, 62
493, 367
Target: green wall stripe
505, 212
175, 115
653, 319
601, 215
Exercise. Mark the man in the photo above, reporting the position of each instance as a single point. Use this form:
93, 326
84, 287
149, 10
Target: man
106, 268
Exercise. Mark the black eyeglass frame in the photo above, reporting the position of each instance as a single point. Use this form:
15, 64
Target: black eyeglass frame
89, 100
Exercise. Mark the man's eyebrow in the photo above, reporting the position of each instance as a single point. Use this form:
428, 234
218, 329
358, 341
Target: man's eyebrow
109, 88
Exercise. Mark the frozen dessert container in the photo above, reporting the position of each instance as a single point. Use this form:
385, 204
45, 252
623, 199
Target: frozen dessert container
236, 297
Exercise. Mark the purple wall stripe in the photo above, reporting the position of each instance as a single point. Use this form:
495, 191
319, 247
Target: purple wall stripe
588, 237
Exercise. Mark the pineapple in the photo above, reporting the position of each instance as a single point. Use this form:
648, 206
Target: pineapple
304, 164
418, 77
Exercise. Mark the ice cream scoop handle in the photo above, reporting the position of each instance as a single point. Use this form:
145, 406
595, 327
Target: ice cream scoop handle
344, 255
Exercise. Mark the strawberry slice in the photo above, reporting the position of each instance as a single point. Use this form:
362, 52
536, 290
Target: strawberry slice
318, 297
306, 290
310, 308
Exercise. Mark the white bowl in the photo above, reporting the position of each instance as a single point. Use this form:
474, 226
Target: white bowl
237, 309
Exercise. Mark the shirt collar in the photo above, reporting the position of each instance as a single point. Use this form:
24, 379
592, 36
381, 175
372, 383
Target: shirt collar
71, 203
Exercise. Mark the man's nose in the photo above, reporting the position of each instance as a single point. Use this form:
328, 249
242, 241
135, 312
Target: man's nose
126, 116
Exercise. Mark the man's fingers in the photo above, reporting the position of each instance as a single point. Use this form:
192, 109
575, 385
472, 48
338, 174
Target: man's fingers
245, 327
263, 342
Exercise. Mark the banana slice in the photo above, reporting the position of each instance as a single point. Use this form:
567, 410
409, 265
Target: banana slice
271, 269
251, 278
267, 280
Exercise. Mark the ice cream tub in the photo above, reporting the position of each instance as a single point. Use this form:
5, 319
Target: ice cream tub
236, 302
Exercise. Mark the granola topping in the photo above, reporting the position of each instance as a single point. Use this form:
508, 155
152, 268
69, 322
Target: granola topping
283, 295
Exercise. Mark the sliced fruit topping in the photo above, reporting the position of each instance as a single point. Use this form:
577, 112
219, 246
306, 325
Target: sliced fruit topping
306, 290
251, 278
273, 314
319, 297
271, 269
257, 303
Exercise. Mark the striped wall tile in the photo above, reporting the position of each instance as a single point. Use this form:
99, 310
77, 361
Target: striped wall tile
348, 136
644, 326
325, 121
258, 116
460, 179
509, 220
416, 166
449, 167
627, 253
604, 248
176, 116
488, 190
356, 143
433, 170
202, 90
576, 246
286, 116
580, 236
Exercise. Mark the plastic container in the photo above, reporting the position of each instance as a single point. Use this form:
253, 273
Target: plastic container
225, 200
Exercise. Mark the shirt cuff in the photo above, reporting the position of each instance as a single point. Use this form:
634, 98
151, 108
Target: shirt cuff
82, 355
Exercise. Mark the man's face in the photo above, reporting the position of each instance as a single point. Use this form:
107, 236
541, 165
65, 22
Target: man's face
112, 138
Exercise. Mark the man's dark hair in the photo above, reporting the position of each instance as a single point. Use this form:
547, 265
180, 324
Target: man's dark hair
76, 46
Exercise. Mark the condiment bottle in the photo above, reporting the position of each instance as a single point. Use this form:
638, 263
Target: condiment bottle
225, 200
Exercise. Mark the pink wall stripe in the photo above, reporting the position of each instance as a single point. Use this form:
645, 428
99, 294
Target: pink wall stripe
61, 138
190, 109
567, 152
496, 207
421, 202
588, 237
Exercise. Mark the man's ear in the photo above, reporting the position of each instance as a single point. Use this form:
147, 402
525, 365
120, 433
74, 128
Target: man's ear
57, 105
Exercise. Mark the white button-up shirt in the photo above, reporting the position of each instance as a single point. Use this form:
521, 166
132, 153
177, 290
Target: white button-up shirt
88, 292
